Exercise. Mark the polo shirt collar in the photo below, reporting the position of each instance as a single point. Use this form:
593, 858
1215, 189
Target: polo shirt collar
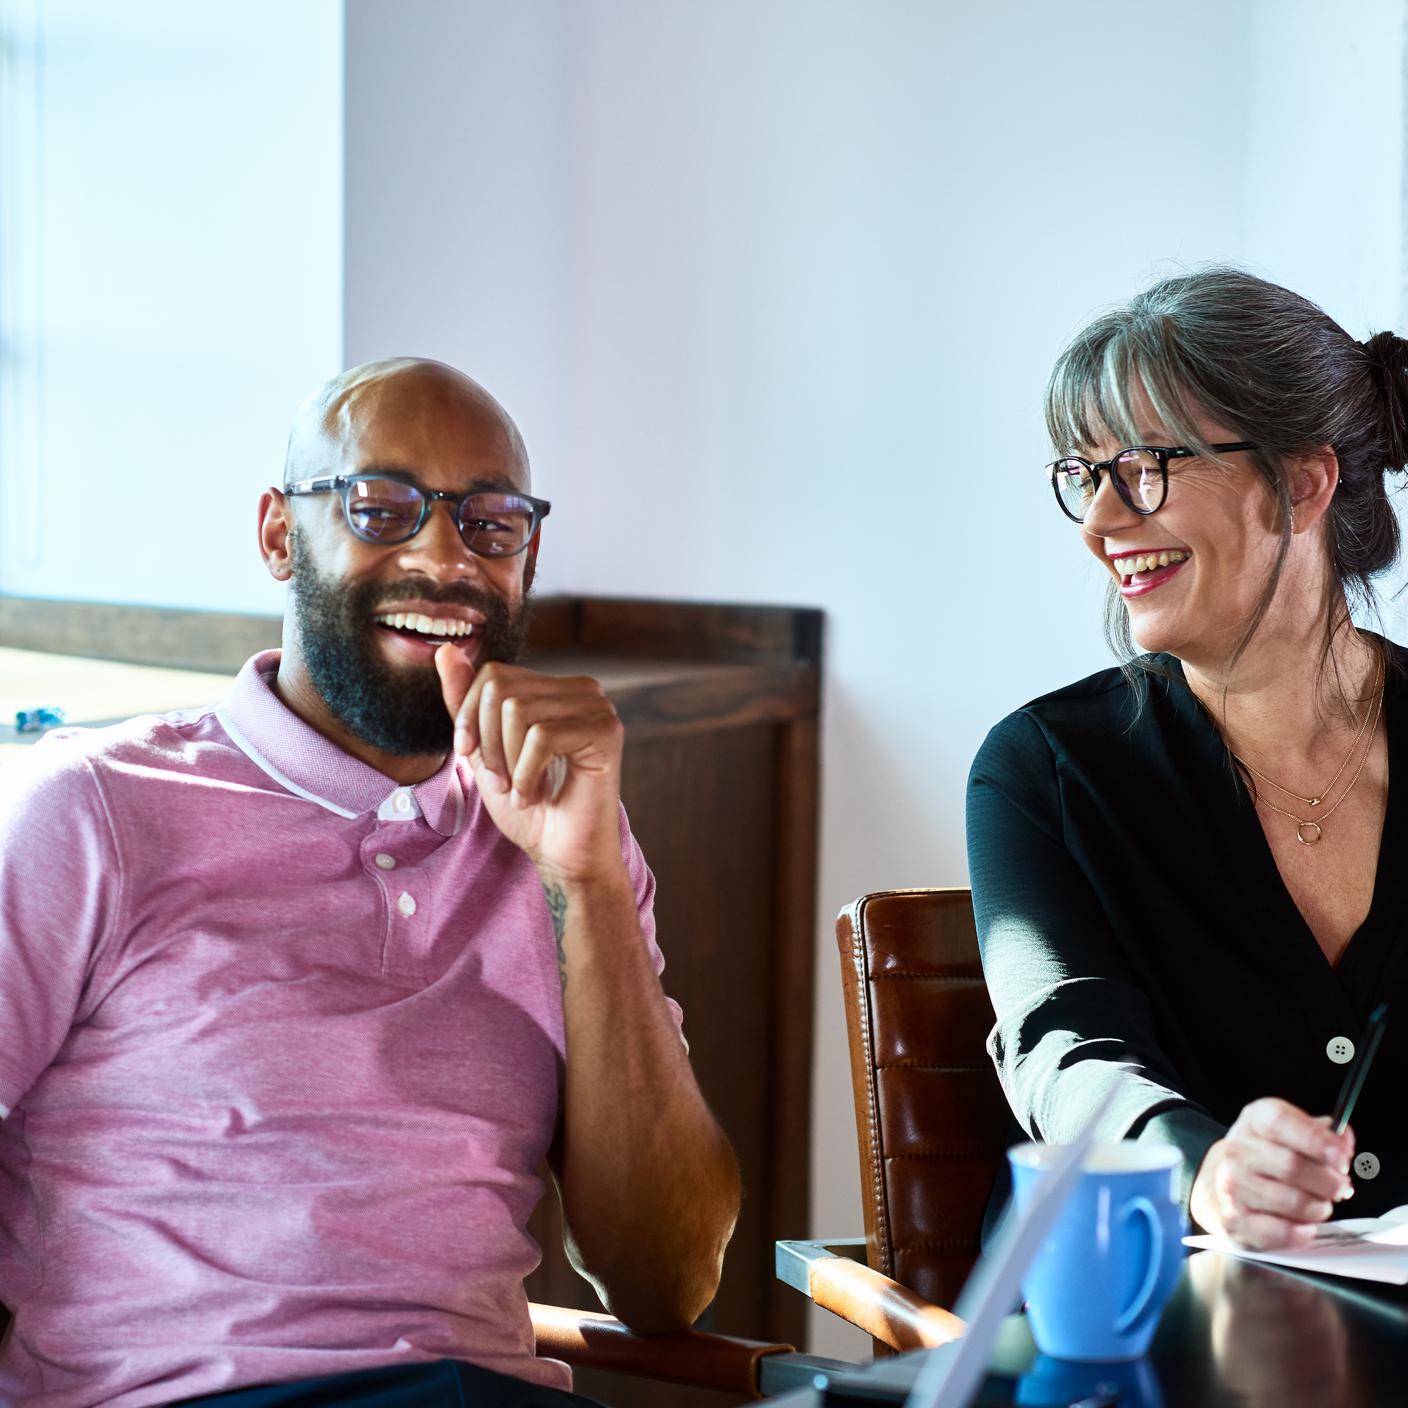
310, 766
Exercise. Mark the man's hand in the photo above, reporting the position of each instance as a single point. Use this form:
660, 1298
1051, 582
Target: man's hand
511, 723
1276, 1175
648, 1181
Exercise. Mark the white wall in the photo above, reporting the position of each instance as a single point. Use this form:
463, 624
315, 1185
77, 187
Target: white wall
1325, 172
819, 259
458, 150
1325, 185
176, 287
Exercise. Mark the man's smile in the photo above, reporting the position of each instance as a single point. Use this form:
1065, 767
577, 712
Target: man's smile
415, 628
412, 638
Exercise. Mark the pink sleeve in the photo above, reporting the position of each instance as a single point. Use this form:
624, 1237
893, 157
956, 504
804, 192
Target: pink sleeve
60, 889
643, 882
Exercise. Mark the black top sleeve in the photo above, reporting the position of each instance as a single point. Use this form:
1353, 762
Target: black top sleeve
1073, 1022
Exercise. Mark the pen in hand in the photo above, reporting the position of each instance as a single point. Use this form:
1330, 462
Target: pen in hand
1359, 1072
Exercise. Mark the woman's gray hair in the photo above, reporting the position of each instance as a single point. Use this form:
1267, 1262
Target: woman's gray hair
1273, 369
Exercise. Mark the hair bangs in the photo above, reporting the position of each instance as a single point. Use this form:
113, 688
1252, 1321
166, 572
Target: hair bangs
1105, 384
1087, 398
1157, 367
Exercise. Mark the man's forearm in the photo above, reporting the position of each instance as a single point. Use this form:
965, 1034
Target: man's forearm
649, 1183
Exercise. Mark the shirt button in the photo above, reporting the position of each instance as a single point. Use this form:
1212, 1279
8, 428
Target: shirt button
1340, 1049
402, 802
406, 904
385, 861
1366, 1165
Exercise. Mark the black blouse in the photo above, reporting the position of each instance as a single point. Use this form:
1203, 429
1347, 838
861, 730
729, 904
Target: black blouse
1137, 936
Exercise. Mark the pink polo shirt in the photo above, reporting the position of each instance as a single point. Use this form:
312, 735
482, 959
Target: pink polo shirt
281, 1046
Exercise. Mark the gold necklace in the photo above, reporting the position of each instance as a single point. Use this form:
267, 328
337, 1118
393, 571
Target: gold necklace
1329, 786
1308, 831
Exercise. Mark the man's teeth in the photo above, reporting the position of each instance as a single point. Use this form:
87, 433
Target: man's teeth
1147, 562
425, 625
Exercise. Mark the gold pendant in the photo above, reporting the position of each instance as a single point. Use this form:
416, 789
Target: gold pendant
1306, 826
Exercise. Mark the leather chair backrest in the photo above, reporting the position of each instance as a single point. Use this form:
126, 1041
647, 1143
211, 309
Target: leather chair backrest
931, 1119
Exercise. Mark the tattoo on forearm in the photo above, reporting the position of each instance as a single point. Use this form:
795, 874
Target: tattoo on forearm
557, 907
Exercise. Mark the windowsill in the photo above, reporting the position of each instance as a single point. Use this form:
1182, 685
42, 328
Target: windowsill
93, 692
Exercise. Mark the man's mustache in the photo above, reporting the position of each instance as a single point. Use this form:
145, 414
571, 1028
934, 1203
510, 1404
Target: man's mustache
444, 594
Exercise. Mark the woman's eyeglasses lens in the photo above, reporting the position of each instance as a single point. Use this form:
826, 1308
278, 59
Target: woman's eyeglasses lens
1140, 476
391, 511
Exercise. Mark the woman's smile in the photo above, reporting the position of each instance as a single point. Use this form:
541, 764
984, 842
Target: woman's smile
1146, 569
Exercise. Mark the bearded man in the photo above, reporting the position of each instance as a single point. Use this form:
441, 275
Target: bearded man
297, 993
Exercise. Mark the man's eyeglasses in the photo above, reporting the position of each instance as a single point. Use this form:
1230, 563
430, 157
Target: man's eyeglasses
1140, 474
386, 509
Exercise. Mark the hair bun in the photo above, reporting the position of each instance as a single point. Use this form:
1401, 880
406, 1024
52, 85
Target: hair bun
1387, 356
1384, 347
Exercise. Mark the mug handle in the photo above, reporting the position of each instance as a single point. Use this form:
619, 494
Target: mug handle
1145, 1209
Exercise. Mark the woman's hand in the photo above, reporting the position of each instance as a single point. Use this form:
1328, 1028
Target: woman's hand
1276, 1175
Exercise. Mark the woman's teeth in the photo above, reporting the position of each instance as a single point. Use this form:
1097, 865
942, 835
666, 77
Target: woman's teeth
424, 625
1147, 562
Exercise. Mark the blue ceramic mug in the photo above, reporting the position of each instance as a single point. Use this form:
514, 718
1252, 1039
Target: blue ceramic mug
1058, 1383
1104, 1273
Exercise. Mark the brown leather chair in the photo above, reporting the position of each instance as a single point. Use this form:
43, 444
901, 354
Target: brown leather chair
931, 1119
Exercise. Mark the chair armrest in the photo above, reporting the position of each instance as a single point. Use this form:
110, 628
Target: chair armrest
587, 1340
867, 1299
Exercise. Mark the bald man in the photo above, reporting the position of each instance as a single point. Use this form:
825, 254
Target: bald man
297, 994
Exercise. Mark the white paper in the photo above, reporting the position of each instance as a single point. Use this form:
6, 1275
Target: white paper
1365, 1248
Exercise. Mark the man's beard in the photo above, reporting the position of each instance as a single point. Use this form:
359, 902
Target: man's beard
399, 709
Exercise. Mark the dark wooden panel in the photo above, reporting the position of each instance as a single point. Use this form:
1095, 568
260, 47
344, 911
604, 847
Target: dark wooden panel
674, 630
655, 696
707, 823
141, 635
796, 797
700, 630
701, 807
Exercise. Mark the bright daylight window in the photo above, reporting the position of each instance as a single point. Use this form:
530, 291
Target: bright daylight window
21, 479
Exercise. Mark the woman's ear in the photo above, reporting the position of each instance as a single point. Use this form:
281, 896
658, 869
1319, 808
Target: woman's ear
1314, 477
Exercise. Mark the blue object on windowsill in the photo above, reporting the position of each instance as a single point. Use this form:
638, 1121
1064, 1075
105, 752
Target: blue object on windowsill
37, 720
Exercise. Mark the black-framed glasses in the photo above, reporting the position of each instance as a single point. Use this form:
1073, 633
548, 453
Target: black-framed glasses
389, 508
1140, 474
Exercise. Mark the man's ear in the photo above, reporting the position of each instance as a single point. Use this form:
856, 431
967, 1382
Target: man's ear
275, 534
1314, 477
530, 568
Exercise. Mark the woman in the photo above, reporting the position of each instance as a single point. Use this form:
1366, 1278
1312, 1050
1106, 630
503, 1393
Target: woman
1190, 874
